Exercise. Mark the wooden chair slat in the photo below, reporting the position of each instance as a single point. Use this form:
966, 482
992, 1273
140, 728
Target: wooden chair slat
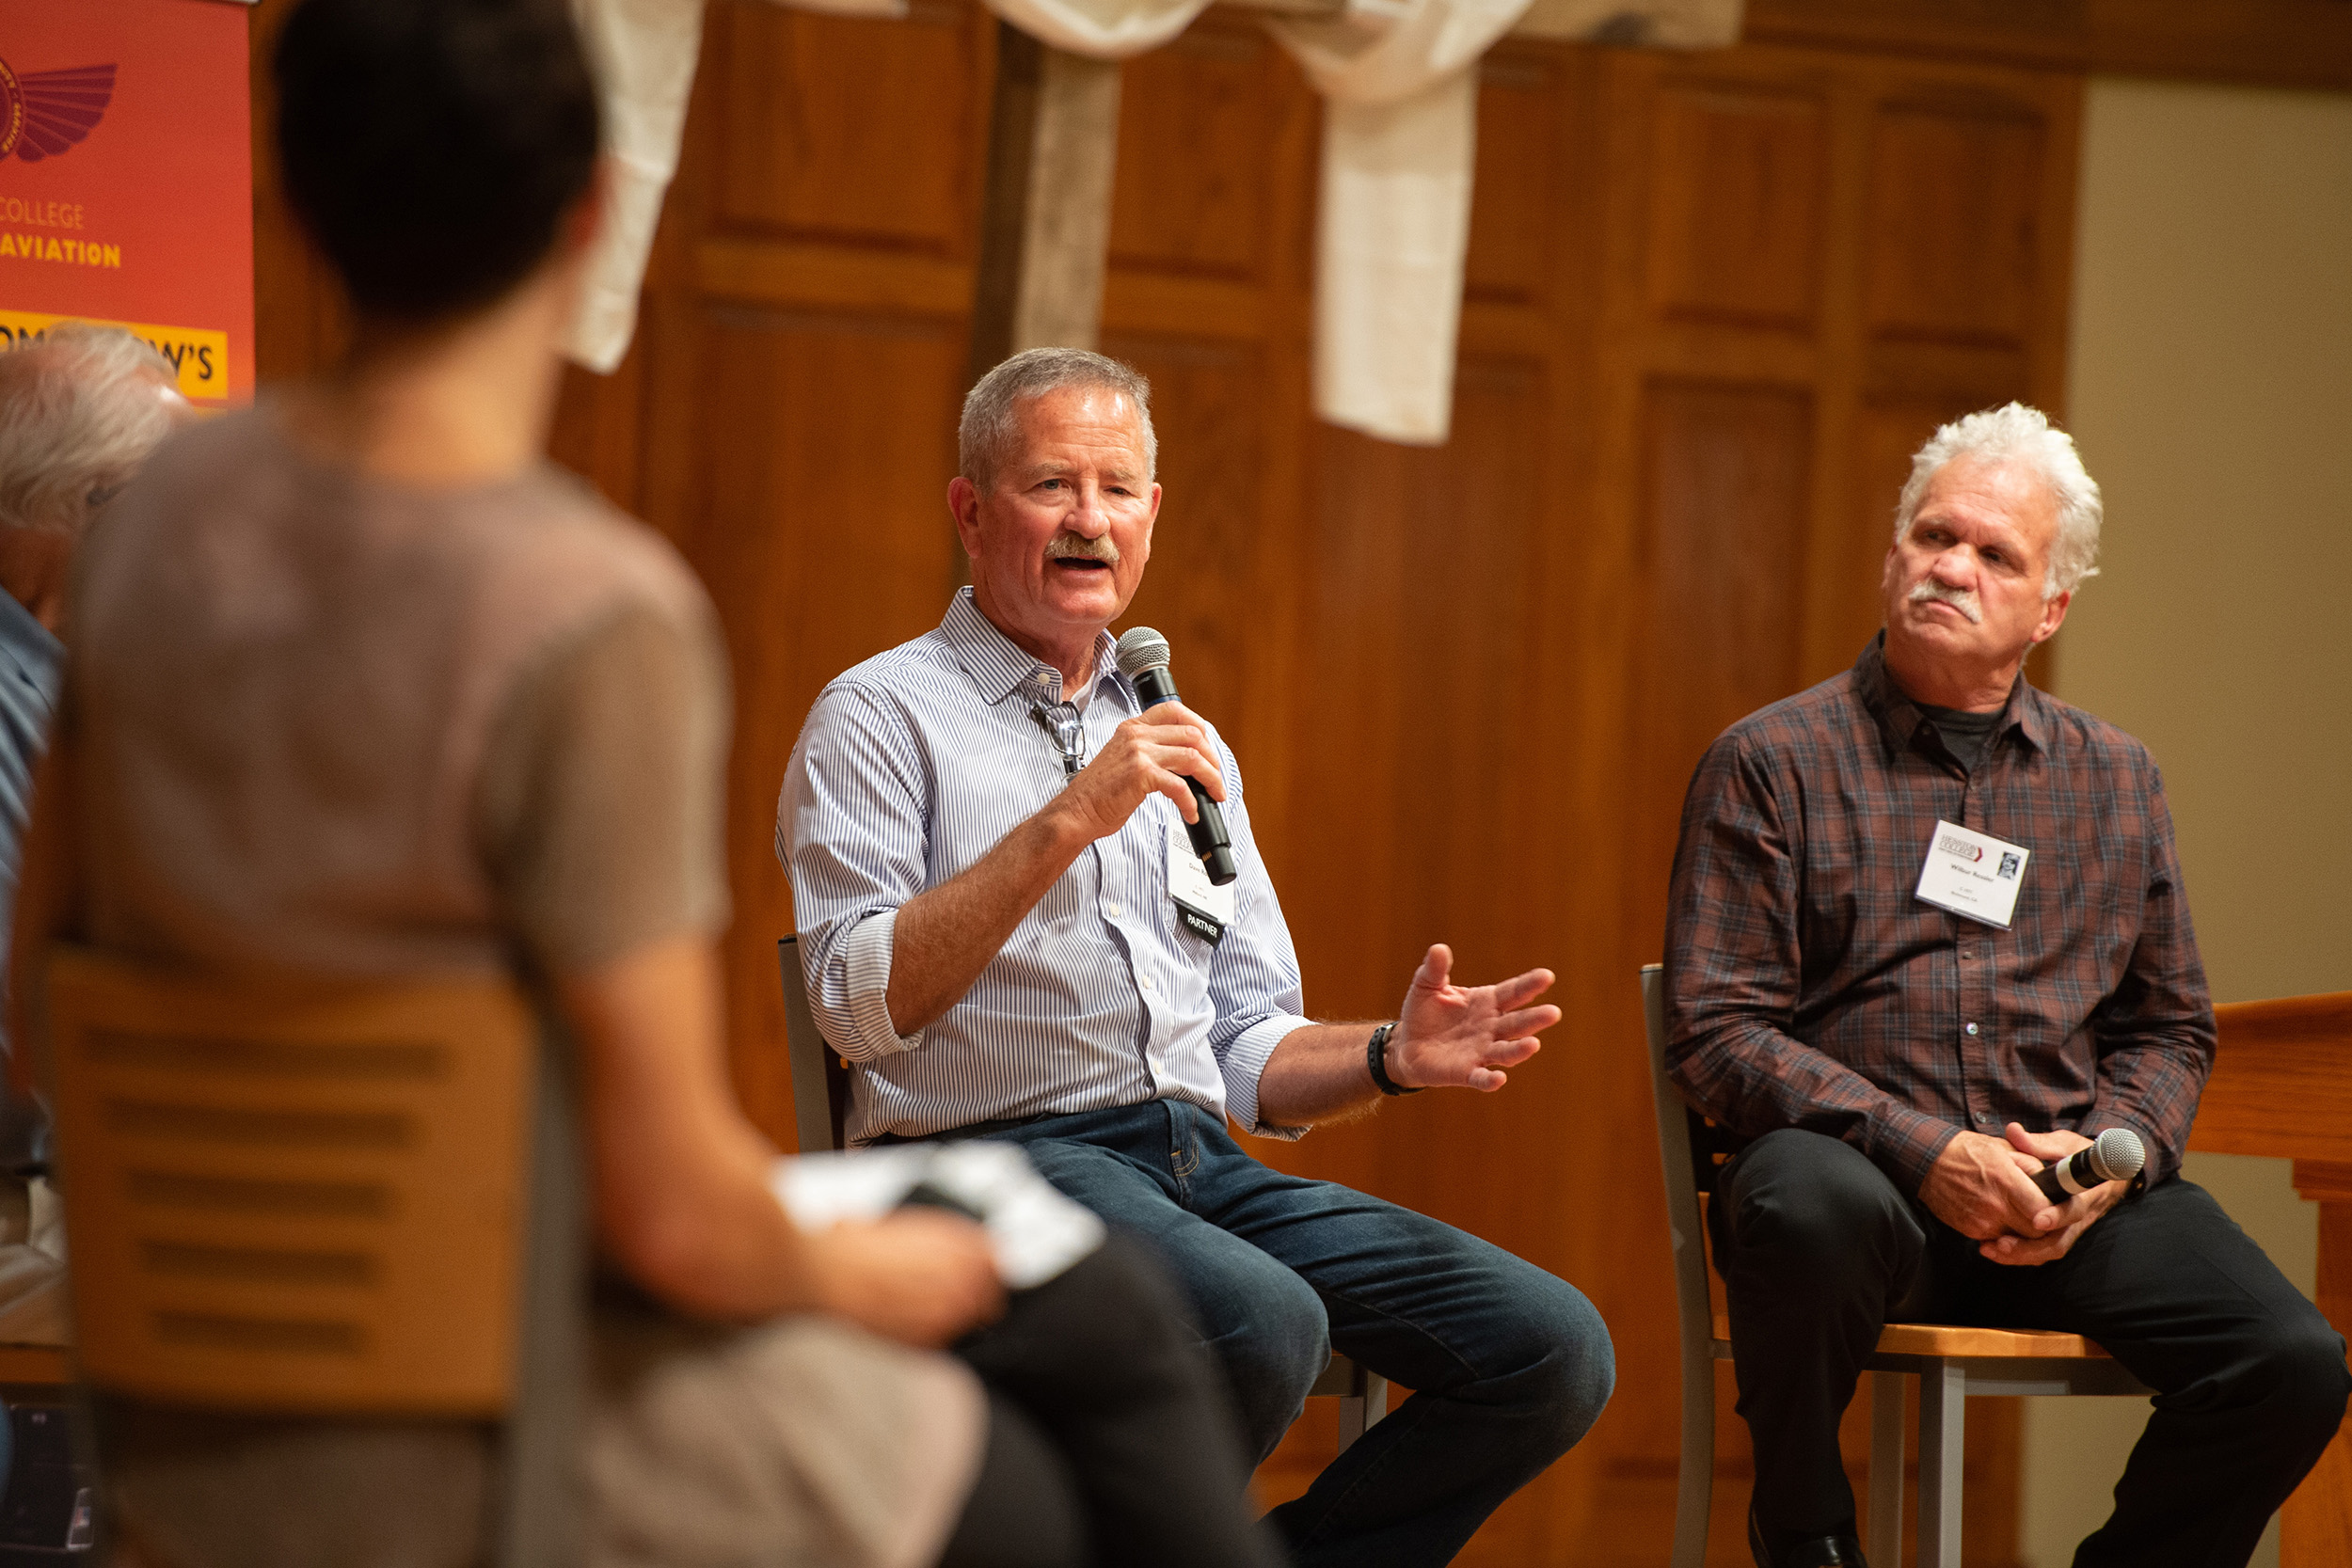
1957, 1339
293, 1197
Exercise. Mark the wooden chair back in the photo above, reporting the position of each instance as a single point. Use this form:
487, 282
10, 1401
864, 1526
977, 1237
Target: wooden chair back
306, 1199
1692, 1149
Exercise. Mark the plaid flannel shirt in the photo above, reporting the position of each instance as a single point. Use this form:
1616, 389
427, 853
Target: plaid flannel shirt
1807, 986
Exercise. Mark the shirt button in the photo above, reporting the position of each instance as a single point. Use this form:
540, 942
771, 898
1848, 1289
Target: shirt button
1972, 1028
1984, 1118
1112, 908
1147, 982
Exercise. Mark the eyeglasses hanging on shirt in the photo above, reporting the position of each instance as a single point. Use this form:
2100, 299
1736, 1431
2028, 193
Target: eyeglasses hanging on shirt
1067, 729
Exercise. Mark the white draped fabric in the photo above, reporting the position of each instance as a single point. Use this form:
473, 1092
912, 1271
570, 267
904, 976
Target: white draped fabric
1400, 143
1099, 29
643, 55
1400, 138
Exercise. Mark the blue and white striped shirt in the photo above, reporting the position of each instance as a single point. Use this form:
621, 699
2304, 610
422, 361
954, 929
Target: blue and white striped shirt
916, 764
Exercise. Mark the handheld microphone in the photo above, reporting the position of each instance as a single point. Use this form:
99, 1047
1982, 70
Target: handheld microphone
1143, 659
2116, 1156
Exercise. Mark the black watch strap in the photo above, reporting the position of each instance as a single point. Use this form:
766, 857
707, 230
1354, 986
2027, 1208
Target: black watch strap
1375, 1058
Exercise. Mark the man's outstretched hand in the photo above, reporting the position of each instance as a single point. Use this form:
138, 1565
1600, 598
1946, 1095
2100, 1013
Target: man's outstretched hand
1451, 1036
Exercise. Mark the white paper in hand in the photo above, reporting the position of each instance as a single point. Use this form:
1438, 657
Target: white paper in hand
1033, 1231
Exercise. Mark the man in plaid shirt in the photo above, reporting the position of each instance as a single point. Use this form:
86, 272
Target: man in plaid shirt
1903, 1069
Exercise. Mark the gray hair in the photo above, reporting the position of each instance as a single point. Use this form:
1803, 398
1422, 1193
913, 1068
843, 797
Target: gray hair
2016, 434
80, 409
991, 425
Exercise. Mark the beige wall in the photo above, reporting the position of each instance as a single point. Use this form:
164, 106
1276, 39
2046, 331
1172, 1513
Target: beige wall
2212, 396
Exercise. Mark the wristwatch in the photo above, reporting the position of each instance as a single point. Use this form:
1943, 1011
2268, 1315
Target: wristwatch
1375, 1058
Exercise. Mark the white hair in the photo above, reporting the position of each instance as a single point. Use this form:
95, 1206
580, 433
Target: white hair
81, 406
991, 425
2016, 434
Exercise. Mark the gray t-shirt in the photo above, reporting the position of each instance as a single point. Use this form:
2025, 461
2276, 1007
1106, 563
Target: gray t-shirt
332, 725
1967, 735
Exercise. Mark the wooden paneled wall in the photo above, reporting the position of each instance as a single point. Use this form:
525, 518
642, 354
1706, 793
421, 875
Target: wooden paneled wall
1713, 303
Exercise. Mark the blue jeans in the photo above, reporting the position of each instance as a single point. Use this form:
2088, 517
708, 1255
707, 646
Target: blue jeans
1509, 1365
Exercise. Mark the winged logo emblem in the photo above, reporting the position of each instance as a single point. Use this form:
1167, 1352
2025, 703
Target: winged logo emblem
43, 113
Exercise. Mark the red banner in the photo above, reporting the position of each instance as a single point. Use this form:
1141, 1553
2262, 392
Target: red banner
126, 177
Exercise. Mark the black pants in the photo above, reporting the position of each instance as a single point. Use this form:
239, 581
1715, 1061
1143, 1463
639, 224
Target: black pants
1818, 1251
1110, 1437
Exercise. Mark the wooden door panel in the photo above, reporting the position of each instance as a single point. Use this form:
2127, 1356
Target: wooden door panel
599, 428
1434, 753
1728, 484
1194, 186
1474, 773
1739, 189
1955, 209
807, 488
1202, 587
1515, 198
848, 130
1350, 872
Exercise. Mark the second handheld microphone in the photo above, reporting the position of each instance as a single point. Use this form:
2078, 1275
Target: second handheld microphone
2115, 1155
1143, 659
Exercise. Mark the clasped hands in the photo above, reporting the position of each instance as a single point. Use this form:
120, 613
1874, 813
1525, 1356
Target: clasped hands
1983, 1188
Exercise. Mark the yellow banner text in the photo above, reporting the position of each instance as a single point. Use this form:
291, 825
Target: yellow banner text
200, 357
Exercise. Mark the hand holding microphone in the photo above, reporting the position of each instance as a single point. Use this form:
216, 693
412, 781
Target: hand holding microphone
1143, 655
2115, 1155
2085, 1181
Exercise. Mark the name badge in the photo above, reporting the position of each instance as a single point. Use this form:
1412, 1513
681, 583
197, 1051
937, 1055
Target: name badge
1972, 874
1201, 907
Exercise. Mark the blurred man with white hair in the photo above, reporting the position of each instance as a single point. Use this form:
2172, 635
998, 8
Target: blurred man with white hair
1928, 933
81, 406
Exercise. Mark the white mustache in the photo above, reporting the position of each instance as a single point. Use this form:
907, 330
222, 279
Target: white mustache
1077, 547
1932, 592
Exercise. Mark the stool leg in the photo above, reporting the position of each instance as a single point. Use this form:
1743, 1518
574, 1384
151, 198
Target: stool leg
1365, 1402
1695, 1483
1352, 1423
1886, 1470
1943, 1423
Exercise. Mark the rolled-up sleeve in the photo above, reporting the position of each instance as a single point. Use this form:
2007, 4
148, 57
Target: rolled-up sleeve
852, 831
1253, 978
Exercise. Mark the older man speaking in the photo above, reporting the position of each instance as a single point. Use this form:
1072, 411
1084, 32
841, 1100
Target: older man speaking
985, 830
1927, 933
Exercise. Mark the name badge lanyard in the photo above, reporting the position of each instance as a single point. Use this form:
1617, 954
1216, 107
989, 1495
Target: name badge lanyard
1205, 909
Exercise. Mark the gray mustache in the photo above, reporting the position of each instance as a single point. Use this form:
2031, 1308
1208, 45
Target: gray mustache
1932, 592
1077, 547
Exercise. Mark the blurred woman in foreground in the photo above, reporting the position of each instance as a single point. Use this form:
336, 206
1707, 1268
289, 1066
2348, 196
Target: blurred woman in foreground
363, 688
